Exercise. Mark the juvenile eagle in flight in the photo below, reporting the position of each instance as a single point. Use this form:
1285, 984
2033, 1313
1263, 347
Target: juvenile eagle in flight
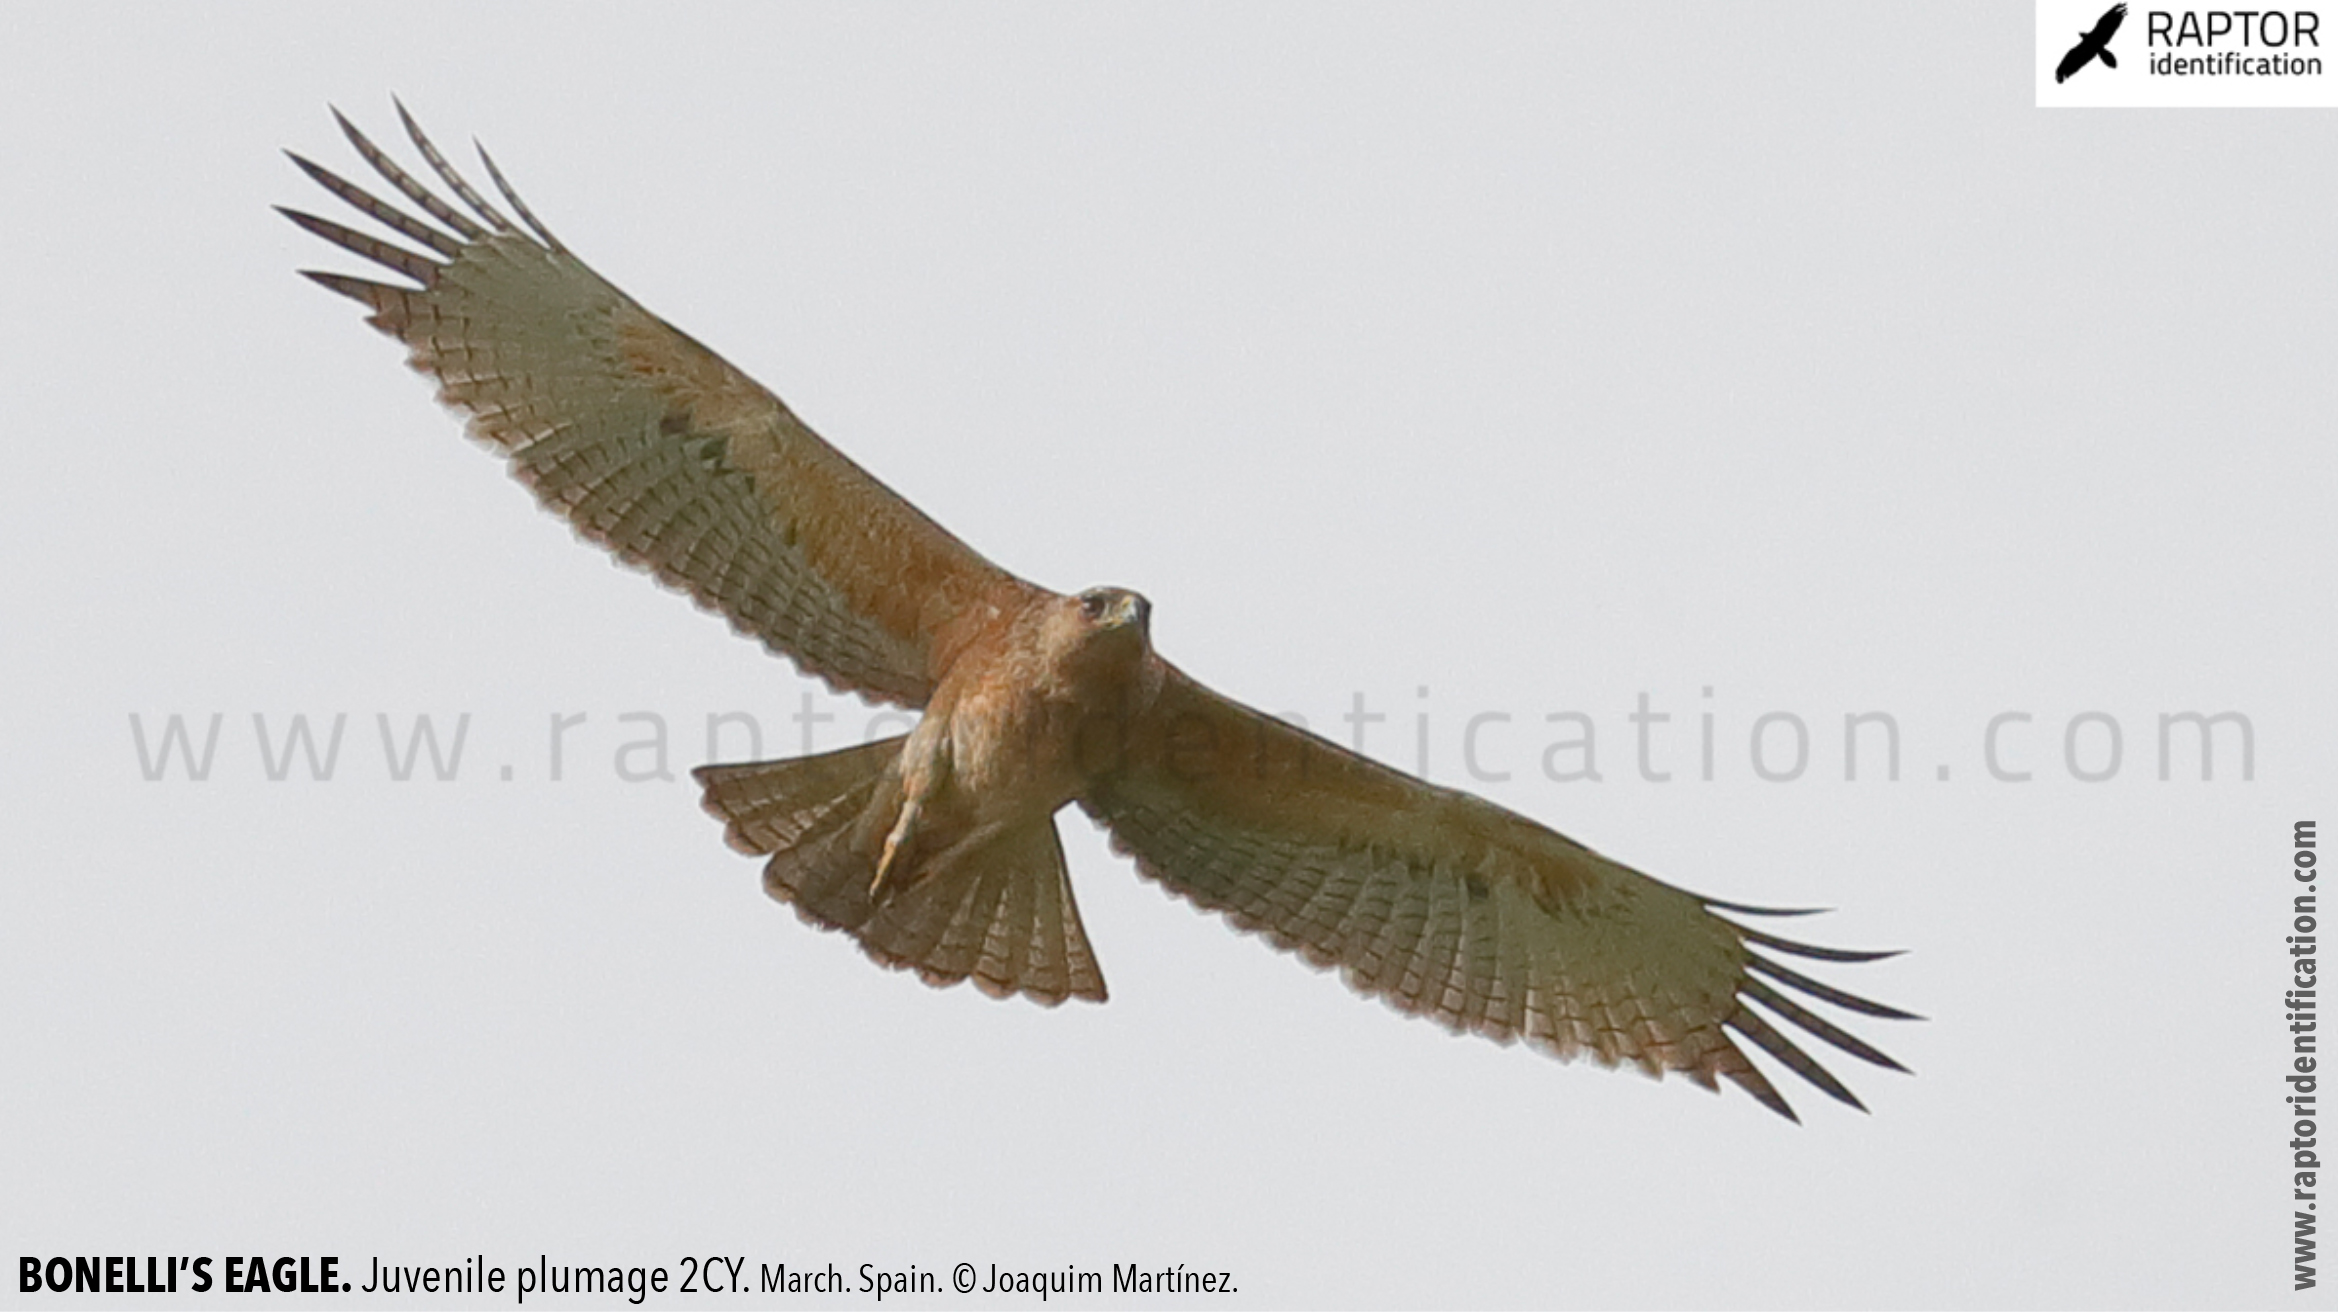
937, 850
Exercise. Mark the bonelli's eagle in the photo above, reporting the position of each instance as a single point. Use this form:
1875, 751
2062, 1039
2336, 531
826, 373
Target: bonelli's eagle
937, 850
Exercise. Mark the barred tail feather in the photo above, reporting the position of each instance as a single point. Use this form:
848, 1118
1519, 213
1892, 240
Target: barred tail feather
769, 806
1001, 914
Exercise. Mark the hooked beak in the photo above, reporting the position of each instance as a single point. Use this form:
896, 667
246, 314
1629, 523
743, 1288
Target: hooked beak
1133, 609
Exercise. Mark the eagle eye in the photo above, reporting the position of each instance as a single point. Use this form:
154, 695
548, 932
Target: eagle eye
1092, 606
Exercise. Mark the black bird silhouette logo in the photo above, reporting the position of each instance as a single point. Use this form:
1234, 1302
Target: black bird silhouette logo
2093, 45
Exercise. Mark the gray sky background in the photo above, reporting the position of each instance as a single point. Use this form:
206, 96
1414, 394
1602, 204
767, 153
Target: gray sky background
1538, 358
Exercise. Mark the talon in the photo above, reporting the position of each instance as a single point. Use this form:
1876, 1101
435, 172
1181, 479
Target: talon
884, 867
904, 828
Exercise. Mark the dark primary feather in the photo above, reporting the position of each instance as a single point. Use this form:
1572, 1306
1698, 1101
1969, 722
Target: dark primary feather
406, 185
1809, 951
1746, 1023
518, 206
387, 215
1780, 973
438, 165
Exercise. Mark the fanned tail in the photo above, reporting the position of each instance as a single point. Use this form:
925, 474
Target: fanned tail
1000, 913
769, 806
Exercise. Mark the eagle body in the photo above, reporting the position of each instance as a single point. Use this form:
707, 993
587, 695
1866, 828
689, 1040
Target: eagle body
1033, 708
937, 850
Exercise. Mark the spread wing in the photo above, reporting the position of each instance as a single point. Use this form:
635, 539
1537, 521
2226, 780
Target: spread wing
1446, 905
653, 446
2107, 25
2073, 60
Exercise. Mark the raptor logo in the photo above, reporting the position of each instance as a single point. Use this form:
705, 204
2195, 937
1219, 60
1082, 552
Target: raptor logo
2093, 45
